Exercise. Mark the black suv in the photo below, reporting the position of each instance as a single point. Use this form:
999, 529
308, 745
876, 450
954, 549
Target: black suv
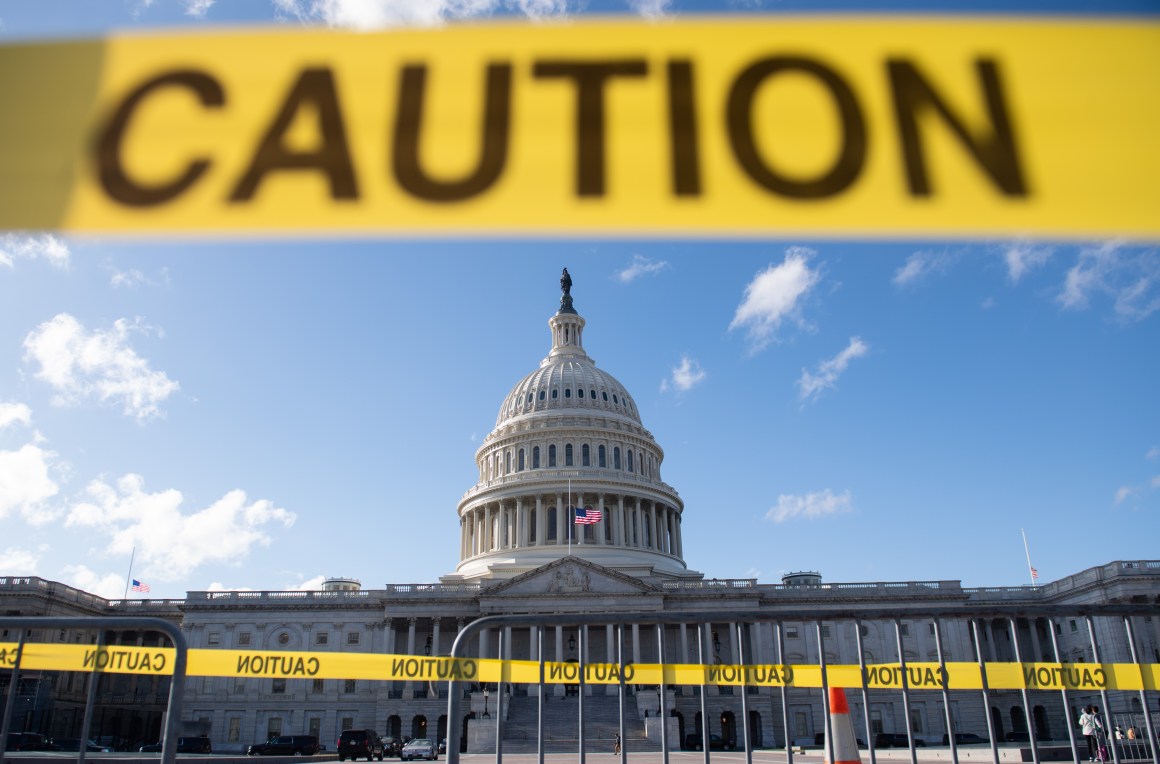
353, 744
285, 745
198, 744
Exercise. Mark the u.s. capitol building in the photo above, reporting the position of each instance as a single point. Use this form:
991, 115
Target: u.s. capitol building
569, 435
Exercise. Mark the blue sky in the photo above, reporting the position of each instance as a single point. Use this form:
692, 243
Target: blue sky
258, 414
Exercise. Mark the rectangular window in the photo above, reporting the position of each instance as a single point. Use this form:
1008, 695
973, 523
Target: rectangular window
321, 638
1074, 627
904, 629
876, 721
273, 727
214, 638
916, 721
801, 724
239, 685
568, 455
585, 456
319, 685
207, 684
347, 723
791, 632
315, 726
279, 687
930, 629
825, 631
348, 685
353, 637
235, 730
244, 639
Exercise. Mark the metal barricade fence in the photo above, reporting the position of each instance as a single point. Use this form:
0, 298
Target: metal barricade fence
101, 624
1057, 672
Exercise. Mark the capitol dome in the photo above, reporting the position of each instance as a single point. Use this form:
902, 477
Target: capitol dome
569, 470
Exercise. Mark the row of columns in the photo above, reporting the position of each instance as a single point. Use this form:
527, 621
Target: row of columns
511, 524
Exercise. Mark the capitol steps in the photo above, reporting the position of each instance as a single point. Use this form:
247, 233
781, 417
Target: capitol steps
601, 722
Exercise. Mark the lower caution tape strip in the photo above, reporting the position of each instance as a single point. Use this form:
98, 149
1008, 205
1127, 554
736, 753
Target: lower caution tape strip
410, 668
716, 125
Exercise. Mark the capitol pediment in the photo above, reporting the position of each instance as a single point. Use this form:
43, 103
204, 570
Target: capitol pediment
571, 576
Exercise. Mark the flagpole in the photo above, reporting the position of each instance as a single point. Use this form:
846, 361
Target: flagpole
129, 577
1027, 551
572, 518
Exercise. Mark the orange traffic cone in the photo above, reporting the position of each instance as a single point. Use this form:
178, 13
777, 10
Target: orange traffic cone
845, 744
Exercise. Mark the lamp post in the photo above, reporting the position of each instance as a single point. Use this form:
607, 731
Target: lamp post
572, 644
486, 715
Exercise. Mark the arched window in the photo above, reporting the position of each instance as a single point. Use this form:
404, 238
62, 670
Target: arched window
490, 468
521, 461
541, 395
568, 455
602, 456
585, 454
630, 460
605, 394
555, 393
567, 392
616, 458
552, 455
535, 457
579, 392
507, 462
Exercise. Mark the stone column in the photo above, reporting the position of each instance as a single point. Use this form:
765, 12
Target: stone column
639, 514
990, 640
600, 526
541, 521
561, 529
487, 529
408, 688
558, 689
618, 528
653, 521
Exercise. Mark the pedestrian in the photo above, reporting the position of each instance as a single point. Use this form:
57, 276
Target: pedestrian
1089, 726
615, 744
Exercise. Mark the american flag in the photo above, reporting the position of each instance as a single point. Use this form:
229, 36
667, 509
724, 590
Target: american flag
588, 515
138, 586
1034, 574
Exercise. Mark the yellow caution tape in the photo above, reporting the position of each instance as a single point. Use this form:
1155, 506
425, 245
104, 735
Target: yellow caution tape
832, 125
316, 665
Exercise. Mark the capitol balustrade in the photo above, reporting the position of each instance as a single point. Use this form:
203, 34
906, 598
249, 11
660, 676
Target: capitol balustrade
531, 477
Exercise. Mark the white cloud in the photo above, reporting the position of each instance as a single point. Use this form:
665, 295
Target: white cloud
1130, 279
922, 265
133, 278
217, 586
110, 585
310, 585
1156, 482
1123, 493
46, 246
1153, 453
811, 505
650, 9
197, 8
11, 413
375, 14
170, 544
80, 365
774, 296
685, 376
25, 484
1022, 258
810, 386
19, 562
640, 266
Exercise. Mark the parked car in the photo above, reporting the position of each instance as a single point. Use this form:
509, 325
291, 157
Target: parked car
964, 738
199, 744
896, 740
820, 739
693, 743
29, 741
74, 744
286, 745
150, 748
392, 746
1018, 737
354, 744
419, 748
